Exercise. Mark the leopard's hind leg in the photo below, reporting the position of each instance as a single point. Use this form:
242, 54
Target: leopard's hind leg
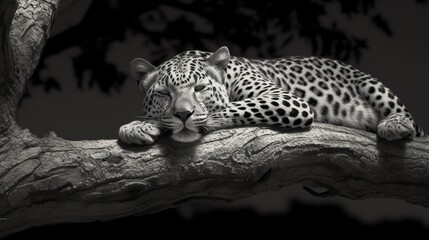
396, 122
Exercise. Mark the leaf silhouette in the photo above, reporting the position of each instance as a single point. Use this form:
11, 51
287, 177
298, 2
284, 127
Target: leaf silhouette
170, 27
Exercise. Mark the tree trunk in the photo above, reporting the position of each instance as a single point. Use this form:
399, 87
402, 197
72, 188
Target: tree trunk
52, 180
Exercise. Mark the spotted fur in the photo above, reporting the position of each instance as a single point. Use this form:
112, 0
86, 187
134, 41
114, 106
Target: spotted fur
196, 92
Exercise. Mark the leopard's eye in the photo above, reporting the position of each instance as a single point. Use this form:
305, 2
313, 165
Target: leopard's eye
199, 88
163, 92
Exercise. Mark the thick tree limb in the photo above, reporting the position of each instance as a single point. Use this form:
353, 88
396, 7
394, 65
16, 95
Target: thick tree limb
52, 180
7, 10
24, 29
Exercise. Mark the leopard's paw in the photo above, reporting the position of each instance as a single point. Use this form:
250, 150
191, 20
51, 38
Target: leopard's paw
396, 126
139, 132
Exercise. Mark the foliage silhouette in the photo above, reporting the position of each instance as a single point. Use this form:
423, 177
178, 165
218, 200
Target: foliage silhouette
252, 28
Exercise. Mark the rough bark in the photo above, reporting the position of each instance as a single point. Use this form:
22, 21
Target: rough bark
24, 29
7, 10
51, 180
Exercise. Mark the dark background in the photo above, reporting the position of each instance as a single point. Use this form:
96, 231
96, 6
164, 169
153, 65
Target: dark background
82, 90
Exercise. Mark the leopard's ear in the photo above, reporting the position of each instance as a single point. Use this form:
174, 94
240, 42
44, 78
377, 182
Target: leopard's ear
142, 71
220, 58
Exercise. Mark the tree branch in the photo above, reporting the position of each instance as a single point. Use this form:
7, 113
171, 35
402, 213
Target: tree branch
52, 180
7, 10
24, 30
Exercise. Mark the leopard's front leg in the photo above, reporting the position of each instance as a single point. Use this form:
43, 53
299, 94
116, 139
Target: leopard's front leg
272, 106
140, 132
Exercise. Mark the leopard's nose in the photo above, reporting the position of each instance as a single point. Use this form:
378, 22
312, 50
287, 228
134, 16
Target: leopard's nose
183, 115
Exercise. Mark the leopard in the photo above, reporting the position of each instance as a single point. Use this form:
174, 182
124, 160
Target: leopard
197, 92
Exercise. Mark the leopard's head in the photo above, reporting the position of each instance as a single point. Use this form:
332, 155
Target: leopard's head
182, 92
